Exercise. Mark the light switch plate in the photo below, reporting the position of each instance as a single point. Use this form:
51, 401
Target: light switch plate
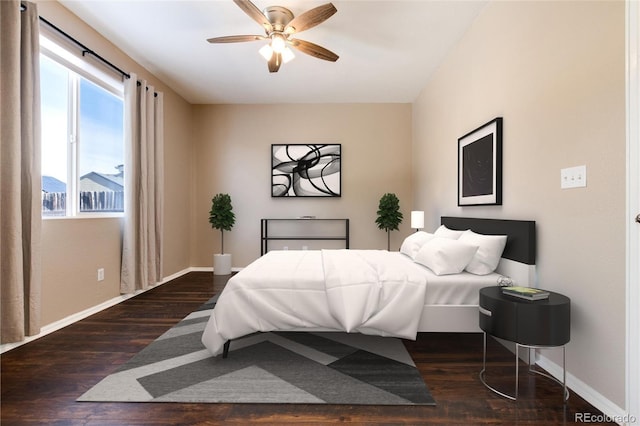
573, 177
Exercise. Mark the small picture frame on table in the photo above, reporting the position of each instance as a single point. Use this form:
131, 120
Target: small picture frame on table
480, 165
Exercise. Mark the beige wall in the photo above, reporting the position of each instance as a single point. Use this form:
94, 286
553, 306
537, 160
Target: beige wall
232, 155
73, 249
555, 72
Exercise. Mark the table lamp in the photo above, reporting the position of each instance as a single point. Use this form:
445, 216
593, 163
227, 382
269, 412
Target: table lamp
417, 220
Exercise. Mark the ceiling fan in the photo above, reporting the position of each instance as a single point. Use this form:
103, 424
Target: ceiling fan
280, 24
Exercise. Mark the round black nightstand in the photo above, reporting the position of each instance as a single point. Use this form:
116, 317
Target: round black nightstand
532, 324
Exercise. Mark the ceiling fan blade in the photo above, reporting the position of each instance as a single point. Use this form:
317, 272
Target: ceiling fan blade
236, 38
255, 14
310, 18
275, 62
313, 50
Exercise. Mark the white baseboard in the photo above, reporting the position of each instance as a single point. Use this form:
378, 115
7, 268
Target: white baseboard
57, 325
612, 411
210, 269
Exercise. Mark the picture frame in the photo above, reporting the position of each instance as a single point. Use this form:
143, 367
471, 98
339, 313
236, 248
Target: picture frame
480, 165
306, 170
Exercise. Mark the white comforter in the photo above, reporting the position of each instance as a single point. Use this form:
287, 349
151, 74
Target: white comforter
366, 291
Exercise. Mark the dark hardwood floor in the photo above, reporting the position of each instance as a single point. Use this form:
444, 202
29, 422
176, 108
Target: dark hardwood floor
42, 379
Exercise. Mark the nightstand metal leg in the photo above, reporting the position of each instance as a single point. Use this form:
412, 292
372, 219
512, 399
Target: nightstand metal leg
564, 375
563, 383
517, 369
565, 390
484, 367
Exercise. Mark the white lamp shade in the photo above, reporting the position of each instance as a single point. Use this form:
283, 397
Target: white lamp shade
417, 219
287, 55
266, 51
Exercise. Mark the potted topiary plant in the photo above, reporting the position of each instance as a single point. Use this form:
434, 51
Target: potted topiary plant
389, 215
221, 217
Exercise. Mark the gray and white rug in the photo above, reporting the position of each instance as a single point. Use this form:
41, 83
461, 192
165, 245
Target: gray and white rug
277, 367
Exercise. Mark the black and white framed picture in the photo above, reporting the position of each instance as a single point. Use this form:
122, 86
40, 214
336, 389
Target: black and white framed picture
480, 165
306, 170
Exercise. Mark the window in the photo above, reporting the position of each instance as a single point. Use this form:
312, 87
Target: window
82, 136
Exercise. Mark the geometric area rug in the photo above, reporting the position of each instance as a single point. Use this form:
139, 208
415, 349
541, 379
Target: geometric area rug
273, 368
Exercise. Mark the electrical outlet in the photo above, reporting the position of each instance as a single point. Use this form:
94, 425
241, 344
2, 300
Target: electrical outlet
573, 177
101, 274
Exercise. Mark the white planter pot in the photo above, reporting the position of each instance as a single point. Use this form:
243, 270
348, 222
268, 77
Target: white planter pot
221, 264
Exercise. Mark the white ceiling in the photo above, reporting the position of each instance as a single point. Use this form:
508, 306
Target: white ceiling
387, 49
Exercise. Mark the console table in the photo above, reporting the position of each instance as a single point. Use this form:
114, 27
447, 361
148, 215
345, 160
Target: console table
265, 236
531, 324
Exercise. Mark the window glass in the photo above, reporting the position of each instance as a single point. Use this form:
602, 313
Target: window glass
100, 150
54, 92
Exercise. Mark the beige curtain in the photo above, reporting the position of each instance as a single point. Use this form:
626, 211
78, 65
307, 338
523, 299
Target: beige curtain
142, 235
20, 175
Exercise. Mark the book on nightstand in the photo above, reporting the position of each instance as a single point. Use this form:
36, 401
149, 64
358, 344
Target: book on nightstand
527, 293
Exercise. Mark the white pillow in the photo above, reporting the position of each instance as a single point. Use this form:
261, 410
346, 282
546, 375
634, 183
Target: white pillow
413, 242
490, 248
445, 256
445, 232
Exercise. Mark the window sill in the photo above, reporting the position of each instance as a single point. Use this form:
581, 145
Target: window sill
86, 216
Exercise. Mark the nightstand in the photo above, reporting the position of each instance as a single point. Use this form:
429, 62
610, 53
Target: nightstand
531, 324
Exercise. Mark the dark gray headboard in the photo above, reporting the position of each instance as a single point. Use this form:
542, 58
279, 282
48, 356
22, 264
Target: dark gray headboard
521, 234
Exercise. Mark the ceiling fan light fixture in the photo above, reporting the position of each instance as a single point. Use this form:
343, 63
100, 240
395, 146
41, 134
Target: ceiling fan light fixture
277, 45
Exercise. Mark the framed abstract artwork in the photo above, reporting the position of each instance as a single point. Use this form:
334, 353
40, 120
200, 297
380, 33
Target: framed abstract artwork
306, 170
480, 165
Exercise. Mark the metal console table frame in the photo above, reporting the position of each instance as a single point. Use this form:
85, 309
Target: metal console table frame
265, 237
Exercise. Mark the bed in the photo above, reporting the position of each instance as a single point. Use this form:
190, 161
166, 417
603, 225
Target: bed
364, 291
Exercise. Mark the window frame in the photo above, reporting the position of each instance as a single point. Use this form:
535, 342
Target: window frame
78, 68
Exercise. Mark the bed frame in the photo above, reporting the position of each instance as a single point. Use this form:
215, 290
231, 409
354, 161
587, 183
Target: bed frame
517, 262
